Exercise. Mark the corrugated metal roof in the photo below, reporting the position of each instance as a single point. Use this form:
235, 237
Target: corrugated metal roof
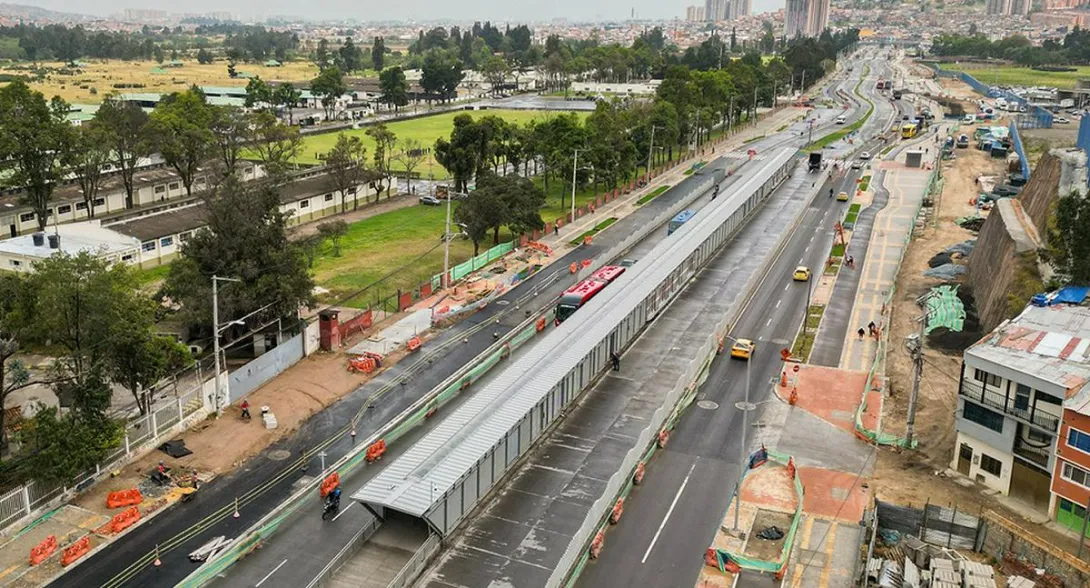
413, 482
1049, 343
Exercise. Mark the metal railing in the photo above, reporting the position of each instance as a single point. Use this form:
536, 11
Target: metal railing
1037, 455
417, 564
141, 433
982, 395
353, 545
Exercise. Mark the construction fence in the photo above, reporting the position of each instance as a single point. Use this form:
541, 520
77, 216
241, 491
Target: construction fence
1035, 117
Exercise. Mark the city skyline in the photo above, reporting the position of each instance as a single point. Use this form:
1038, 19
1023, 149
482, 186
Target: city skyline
427, 10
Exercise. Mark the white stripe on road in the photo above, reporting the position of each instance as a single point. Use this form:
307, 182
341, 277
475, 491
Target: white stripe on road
670, 511
768, 322
271, 573
343, 511
778, 303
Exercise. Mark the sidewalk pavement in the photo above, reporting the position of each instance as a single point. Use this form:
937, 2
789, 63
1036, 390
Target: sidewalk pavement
892, 227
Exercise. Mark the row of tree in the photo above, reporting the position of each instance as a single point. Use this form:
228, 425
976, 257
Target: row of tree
1074, 49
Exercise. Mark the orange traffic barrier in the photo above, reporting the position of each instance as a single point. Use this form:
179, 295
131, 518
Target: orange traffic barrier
41, 551
541, 324
711, 558
732, 567
638, 477
124, 520
414, 343
783, 378
574, 267
596, 545
123, 498
587, 240
719, 349
586, 263
664, 438
329, 484
791, 468
76, 550
375, 451
618, 510
362, 365
794, 396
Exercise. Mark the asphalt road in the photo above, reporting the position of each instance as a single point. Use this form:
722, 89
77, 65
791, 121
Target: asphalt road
670, 519
111, 566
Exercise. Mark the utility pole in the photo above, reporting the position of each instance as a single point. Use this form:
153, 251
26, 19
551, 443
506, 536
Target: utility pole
216, 403
650, 153
806, 313
745, 407
914, 345
810, 137
574, 170
802, 88
446, 244
730, 122
755, 106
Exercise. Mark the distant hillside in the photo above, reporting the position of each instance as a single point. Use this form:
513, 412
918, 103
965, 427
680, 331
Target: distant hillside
35, 14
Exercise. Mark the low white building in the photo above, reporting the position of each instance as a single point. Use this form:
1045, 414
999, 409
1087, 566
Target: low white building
21, 253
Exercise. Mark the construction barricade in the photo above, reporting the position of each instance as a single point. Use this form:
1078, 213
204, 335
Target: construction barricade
329, 484
123, 498
124, 520
43, 550
376, 450
76, 550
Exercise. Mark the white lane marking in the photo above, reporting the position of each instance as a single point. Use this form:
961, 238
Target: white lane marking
811, 239
778, 303
768, 322
344, 511
785, 287
669, 511
271, 573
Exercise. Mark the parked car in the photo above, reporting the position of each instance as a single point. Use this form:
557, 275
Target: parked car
1060, 119
430, 201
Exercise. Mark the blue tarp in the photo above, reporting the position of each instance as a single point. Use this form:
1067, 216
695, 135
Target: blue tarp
1065, 295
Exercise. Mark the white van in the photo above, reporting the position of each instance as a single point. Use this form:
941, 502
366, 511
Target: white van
969, 119
1001, 103
841, 120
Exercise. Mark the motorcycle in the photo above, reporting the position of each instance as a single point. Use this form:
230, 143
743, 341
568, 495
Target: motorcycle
332, 507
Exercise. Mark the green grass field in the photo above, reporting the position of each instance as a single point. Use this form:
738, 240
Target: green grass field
405, 241
1019, 76
425, 130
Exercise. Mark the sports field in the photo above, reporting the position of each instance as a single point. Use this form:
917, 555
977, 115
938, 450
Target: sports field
425, 130
1020, 76
75, 84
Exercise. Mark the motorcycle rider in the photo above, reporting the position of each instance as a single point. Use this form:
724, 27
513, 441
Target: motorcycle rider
333, 501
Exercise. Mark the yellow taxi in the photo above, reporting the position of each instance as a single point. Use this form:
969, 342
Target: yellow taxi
843, 196
742, 349
802, 274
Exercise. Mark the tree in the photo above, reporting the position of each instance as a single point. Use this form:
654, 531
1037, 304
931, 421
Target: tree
81, 303
15, 297
378, 54
231, 131
287, 97
35, 138
62, 446
350, 56
410, 156
204, 57
461, 154
258, 93
385, 139
394, 86
322, 54
480, 213
89, 154
246, 239
440, 74
522, 202
345, 165
1069, 239
495, 71
125, 129
139, 358
275, 143
231, 71
333, 231
182, 125
329, 86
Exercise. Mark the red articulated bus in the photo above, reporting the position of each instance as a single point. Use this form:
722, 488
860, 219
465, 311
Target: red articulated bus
575, 297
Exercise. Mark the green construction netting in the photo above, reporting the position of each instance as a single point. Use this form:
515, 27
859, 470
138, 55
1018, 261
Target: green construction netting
945, 309
724, 557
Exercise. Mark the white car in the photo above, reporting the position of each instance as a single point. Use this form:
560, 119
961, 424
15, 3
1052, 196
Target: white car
864, 155
857, 164
1060, 119
841, 119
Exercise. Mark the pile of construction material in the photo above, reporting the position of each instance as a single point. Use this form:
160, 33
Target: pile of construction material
915, 564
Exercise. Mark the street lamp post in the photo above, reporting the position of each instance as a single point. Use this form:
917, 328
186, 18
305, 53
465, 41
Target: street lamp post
745, 406
574, 171
446, 244
216, 330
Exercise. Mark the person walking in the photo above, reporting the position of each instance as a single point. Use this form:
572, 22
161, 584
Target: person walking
871, 328
616, 359
862, 333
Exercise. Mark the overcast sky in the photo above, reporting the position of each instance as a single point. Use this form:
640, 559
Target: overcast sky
494, 10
